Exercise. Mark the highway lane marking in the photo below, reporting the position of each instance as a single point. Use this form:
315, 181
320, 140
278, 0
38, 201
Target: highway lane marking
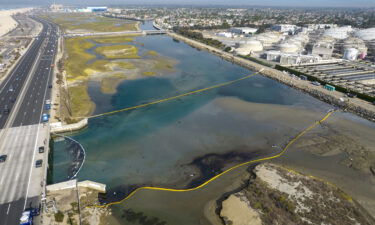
8, 208
24, 56
37, 135
16, 106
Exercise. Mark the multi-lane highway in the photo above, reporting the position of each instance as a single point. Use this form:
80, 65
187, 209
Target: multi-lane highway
22, 103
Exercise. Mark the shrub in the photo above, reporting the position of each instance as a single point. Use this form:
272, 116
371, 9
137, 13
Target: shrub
59, 216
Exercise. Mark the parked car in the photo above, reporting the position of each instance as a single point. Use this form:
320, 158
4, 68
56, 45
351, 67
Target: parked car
351, 95
41, 149
38, 163
303, 77
3, 158
316, 83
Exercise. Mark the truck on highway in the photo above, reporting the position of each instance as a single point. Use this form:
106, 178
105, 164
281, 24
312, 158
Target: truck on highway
48, 104
26, 218
28, 215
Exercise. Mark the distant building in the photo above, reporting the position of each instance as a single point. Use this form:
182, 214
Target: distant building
224, 34
114, 10
320, 26
56, 7
284, 28
243, 30
98, 9
93, 9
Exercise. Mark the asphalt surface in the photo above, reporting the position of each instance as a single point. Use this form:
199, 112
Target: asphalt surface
24, 93
12, 85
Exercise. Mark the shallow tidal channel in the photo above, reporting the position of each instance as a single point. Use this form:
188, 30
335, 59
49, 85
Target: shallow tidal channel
182, 143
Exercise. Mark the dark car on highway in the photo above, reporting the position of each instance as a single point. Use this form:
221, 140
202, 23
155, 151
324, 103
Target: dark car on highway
6, 109
3, 158
39, 163
41, 149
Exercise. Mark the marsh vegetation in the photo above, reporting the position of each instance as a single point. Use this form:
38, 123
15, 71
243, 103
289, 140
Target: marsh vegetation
109, 61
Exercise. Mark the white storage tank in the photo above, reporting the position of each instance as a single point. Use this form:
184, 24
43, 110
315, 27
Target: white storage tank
244, 48
351, 54
356, 43
366, 34
338, 32
288, 48
269, 38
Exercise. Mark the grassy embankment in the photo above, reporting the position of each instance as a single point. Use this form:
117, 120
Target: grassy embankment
90, 22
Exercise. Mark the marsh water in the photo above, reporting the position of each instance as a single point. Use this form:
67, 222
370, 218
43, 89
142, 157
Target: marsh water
183, 142
150, 145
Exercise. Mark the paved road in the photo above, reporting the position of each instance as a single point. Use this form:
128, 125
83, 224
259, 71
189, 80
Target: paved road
12, 85
24, 92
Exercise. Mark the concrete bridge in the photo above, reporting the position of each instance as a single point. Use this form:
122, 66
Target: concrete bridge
141, 32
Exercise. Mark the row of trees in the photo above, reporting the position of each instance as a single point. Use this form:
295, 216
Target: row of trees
199, 37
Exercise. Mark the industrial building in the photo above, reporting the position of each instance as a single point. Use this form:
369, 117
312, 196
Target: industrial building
284, 28
320, 26
56, 8
354, 76
290, 44
290, 59
243, 30
225, 34
93, 9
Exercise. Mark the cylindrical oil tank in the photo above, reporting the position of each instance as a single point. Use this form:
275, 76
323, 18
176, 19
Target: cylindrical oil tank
245, 48
350, 54
288, 48
366, 34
